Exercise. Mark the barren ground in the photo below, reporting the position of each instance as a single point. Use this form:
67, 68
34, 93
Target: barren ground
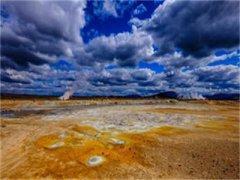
119, 139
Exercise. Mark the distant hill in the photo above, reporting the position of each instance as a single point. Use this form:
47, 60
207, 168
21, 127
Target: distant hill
162, 95
165, 95
52, 97
25, 96
221, 96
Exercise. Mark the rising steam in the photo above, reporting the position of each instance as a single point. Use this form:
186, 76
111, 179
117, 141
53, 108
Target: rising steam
190, 95
67, 95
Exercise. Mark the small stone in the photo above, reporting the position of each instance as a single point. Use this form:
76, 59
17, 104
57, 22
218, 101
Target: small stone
56, 145
117, 141
95, 161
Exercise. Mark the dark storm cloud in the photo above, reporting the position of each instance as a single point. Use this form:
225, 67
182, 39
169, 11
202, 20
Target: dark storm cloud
178, 61
22, 56
179, 79
12, 76
7, 79
203, 79
50, 18
118, 77
7, 63
122, 77
195, 27
219, 76
39, 32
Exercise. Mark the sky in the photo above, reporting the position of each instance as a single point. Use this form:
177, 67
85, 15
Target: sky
120, 48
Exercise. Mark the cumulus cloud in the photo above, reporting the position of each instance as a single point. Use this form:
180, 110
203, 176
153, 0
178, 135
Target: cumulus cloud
122, 76
42, 78
178, 61
109, 7
221, 76
64, 19
142, 74
124, 48
182, 36
38, 32
204, 80
140, 9
115, 8
11, 76
122, 81
196, 28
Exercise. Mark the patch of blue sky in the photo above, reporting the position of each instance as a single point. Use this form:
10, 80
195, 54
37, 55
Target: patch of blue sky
62, 65
106, 24
222, 52
156, 67
229, 61
111, 66
4, 13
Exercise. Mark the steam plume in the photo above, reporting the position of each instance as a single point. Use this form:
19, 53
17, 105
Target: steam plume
190, 95
67, 95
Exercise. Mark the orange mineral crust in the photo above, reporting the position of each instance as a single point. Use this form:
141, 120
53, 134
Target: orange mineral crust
205, 146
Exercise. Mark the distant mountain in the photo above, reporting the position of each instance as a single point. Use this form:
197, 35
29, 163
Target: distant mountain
25, 96
166, 95
162, 95
222, 96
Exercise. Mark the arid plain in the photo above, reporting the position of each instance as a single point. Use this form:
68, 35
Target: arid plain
119, 139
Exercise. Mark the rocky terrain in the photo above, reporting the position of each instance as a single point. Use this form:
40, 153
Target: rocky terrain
119, 139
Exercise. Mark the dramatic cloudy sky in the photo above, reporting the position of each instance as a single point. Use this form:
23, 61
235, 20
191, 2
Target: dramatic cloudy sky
120, 47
